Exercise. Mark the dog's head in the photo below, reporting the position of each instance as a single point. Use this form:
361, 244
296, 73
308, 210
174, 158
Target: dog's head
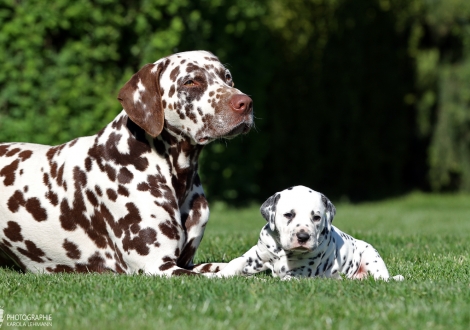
189, 93
301, 216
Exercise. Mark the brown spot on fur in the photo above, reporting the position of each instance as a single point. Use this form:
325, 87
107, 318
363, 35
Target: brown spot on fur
9, 173
118, 269
53, 198
13, 232
79, 176
60, 269
140, 243
53, 151
46, 181
109, 152
92, 198
72, 143
72, 249
32, 252
215, 59
96, 264
12, 152
167, 265
71, 215
170, 228
118, 257
174, 73
111, 172
88, 164
111, 194
3, 150
7, 243
25, 154
33, 206
65, 217
123, 191
97, 230
15, 201
60, 176
171, 91
125, 176
179, 272
206, 268
130, 223
53, 169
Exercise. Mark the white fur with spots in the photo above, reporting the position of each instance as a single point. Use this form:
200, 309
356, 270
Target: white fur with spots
128, 199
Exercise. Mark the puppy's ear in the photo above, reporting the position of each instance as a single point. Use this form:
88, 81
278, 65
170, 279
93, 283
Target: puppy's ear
268, 210
330, 209
142, 100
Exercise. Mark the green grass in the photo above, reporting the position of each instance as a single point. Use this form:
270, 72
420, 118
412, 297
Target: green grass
423, 237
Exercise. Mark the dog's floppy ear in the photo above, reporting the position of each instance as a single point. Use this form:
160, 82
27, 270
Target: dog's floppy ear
330, 208
268, 210
142, 100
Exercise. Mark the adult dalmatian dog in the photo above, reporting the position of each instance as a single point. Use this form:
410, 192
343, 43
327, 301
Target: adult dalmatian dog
128, 199
300, 241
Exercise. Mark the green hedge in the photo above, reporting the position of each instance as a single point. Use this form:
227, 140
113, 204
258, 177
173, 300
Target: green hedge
359, 99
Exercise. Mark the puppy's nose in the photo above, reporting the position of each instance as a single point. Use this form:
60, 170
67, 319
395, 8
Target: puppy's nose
241, 103
302, 236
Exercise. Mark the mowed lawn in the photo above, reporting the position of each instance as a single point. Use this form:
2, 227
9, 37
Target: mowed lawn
423, 237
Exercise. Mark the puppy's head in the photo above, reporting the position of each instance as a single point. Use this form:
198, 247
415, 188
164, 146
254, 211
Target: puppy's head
191, 94
301, 216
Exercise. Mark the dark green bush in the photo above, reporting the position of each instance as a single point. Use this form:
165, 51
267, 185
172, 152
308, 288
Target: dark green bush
355, 98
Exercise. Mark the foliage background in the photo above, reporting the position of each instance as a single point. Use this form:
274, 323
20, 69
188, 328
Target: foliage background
360, 99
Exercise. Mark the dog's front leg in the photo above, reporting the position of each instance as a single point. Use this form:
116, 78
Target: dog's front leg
194, 218
248, 264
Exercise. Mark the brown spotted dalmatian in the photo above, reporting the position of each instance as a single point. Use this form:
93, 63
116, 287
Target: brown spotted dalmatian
300, 241
128, 199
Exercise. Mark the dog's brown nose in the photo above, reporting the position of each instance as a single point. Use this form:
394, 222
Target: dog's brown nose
302, 236
241, 103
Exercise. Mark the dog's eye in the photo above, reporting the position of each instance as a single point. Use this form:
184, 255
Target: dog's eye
228, 79
289, 216
189, 83
316, 218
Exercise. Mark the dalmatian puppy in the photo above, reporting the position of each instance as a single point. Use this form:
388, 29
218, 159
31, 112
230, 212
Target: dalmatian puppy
128, 199
300, 241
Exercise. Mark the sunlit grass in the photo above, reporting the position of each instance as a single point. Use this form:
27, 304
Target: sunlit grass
422, 237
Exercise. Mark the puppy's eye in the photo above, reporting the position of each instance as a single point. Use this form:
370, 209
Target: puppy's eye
289, 216
316, 218
189, 83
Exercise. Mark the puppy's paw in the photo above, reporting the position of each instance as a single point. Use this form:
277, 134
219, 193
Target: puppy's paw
398, 278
